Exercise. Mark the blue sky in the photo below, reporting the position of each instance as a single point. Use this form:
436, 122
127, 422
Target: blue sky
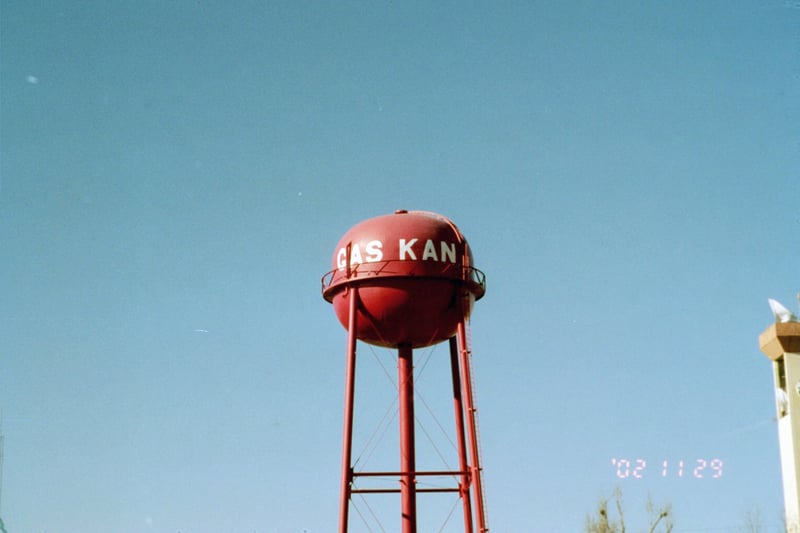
175, 177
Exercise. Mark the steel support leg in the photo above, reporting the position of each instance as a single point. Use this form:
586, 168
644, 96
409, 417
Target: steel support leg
349, 393
408, 492
463, 461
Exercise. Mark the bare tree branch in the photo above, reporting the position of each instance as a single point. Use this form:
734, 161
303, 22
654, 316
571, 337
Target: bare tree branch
618, 500
660, 517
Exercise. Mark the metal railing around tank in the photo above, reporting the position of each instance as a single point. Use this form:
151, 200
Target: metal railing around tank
387, 269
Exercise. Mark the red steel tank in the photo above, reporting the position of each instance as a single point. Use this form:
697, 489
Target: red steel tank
415, 279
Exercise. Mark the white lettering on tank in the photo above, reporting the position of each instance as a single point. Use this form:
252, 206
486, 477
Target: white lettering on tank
448, 251
405, 248
430, 251
373, 251
355, 256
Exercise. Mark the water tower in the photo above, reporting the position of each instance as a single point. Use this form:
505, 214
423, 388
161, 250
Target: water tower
406, 281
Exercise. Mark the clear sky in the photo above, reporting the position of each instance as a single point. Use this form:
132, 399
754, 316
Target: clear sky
176, 175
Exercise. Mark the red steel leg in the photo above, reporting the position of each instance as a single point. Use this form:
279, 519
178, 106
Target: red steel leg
349, 393
408, 493
463, 462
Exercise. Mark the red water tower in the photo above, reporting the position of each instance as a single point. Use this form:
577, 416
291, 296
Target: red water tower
406, 281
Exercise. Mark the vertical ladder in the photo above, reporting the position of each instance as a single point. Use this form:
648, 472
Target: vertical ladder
468, 335
472, 430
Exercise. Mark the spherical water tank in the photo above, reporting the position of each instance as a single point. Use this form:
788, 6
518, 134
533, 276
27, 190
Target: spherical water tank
414, 278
